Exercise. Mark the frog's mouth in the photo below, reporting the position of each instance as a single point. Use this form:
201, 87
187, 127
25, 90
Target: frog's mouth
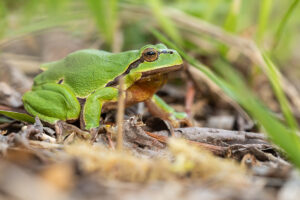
163, 70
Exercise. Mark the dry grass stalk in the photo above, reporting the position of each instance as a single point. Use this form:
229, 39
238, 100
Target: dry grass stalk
120, 113
185, 161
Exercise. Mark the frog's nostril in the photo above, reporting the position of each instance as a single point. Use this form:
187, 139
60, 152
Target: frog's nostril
166, 51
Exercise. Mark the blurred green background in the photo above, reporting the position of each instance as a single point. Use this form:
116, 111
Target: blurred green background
232, 42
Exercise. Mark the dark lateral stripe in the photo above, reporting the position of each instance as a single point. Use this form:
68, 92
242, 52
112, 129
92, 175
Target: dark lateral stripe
133, 65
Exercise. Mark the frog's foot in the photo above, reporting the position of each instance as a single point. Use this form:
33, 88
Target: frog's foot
65, 131
159, 108
179, 119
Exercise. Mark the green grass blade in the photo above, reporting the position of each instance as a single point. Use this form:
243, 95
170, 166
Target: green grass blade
39, 25
165, 23
105, 14
5, 120
264, 13
282, 136
231, 22
30, 9
284, 22
210, 11
3, 20
18, 116
275, 80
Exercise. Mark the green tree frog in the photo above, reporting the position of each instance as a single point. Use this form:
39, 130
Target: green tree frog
85, 83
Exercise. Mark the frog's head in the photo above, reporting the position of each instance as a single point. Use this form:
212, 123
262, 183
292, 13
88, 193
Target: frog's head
157, 59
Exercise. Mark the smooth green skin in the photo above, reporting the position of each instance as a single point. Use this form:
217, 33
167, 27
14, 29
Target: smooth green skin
84, 74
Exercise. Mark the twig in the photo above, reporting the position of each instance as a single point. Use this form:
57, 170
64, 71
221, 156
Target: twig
45, 145
217, 135
120, 113
218, 150
189, 97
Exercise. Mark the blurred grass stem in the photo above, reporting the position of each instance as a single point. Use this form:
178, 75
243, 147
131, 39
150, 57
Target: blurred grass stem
120, 114
283, 22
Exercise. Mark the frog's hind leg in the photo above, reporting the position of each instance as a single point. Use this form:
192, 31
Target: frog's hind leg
157, 107
52, 102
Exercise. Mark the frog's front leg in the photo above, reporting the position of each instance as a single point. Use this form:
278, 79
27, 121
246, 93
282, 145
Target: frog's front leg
93, 105
161, 109
52, 102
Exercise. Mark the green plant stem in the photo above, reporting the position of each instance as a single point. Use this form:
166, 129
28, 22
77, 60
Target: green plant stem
275, 80
264, 13
105, 14
284, 22
3, 19
165, 23
232, 17
231, 22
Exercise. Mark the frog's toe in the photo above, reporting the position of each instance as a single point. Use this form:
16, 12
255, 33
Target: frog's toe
180, 115
180, 119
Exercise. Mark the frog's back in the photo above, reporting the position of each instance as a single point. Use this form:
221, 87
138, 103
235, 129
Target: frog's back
86, 70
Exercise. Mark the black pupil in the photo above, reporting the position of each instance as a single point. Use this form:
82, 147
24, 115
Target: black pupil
150, 53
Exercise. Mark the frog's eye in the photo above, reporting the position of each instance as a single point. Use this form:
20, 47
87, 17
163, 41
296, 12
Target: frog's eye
150, 54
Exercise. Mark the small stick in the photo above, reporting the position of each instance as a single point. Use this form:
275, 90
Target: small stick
110, 142
189, 97
217, 150
58, 130
120, 113
45, 145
